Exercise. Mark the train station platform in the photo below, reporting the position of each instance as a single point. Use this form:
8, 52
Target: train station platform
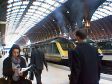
58, 74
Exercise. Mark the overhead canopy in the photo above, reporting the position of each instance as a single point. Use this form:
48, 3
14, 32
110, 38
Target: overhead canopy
30, 17
103, 10
63, 24
22, 15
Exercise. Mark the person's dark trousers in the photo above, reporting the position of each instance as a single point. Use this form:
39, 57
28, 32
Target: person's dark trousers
38, 76
31, 75
27, 59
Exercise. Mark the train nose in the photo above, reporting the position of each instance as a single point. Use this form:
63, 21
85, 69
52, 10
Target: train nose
64, 57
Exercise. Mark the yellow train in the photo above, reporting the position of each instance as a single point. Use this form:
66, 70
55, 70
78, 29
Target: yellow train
56, 49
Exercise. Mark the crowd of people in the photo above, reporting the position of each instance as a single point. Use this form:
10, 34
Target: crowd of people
84, 61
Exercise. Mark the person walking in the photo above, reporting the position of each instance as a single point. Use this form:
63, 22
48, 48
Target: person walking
37, 61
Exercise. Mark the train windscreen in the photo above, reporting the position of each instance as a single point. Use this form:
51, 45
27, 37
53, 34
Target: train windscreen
52, 48
105, 45
67, 45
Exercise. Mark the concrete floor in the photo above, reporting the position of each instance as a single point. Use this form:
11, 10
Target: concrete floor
58, 74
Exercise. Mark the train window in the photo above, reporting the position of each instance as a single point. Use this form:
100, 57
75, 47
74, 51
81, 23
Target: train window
93, 44
105, 45
55, 49
48, 48
52, 48
66, 46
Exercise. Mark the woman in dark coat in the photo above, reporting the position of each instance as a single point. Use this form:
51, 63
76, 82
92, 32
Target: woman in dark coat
12, 66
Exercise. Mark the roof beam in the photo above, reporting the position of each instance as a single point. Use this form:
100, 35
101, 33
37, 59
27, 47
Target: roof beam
24, 13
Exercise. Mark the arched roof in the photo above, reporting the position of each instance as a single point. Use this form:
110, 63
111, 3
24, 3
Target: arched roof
44, 19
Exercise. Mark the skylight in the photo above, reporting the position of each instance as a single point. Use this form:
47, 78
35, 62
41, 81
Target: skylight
23, 15
104, 10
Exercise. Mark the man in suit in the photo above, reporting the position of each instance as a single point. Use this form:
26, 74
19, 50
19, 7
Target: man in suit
85, 62
37, 60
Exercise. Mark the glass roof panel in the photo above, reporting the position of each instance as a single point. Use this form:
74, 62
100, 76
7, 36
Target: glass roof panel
111, 4
25, 2
45, 5
50, 1
36, 3
17, 4
104, 10
37, 11
48, 11
101, 13
9, 6
21, 10
56, 4
98, 15
9, 10
15, 8
33, 7
16, 0
36, 16
10, 1
107, 7
42, 9
31, 10
52, 8
23, 6
29, 13
62, 0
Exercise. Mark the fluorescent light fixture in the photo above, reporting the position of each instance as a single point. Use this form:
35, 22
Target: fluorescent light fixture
104, 10
29, 42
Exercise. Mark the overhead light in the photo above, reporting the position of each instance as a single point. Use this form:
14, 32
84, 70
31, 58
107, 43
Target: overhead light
103, 29
87, 23
68, 12
69, 38
29, 42
64, 34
